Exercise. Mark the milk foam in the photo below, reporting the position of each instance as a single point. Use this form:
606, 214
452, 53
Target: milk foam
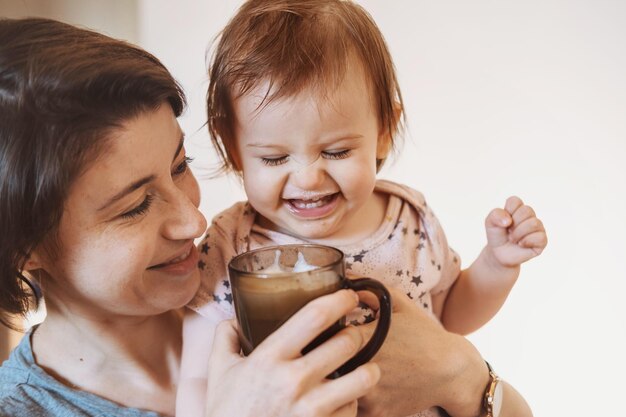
301, 265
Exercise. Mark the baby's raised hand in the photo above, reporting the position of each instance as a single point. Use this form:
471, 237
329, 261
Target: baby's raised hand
514, 234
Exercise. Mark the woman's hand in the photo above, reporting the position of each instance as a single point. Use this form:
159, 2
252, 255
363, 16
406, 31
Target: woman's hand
423, 366
275, 380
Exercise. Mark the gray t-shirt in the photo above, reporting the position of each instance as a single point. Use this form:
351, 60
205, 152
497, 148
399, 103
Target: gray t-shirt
26, 390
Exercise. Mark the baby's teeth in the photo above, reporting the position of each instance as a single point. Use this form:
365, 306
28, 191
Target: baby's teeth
317, 203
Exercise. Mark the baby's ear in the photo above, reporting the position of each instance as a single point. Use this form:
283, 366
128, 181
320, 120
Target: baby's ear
235, 160
385, 139
383, 147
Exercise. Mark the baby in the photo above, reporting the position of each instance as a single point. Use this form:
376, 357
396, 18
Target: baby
304, 105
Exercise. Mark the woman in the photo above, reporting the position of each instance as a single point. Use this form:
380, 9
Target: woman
99, 210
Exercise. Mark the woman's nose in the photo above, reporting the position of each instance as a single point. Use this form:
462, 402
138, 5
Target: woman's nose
184, 220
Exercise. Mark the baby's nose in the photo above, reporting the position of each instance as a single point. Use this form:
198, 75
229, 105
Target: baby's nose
309, 176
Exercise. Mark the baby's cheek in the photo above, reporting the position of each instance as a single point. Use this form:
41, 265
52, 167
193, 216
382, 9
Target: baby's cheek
360, 183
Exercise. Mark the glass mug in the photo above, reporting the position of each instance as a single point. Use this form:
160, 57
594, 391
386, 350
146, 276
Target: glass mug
270, 284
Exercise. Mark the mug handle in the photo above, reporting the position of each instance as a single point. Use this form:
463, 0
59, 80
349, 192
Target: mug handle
382, 327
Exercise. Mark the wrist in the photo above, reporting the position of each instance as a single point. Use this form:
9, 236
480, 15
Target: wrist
491, 261
492, 400
465, 390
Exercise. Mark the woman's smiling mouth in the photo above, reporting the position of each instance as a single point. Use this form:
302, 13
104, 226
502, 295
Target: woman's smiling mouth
180, 265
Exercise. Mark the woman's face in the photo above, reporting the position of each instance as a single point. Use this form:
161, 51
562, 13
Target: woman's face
125, 241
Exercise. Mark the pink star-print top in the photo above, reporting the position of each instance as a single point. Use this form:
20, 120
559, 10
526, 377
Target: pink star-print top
409, 251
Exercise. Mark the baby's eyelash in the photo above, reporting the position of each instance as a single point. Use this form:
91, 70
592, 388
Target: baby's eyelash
275, 161
140, 209
183, 166
337, 155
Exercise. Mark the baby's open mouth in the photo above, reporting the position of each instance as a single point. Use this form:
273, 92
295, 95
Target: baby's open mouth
312, 203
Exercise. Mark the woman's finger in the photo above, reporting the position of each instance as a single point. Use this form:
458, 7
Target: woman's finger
369, 299
288, 341
333, 353
332, 396
226, 345
348, 410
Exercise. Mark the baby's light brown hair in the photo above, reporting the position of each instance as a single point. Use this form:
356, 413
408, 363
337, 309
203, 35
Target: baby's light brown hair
296, 45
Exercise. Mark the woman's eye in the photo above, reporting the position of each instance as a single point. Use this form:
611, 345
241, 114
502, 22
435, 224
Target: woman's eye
140, 209
336, 154
182, 167
275, 161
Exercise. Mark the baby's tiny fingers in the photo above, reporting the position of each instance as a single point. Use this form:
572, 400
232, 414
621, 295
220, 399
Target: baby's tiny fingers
523, 213
513, 203
498, 218
526, 227
536, 241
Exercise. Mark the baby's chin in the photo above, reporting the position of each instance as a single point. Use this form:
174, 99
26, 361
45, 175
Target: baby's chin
331, 236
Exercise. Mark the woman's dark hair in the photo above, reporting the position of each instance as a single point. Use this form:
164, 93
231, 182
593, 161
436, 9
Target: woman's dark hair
63, 90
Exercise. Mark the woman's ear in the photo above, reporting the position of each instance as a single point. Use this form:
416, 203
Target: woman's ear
33, 262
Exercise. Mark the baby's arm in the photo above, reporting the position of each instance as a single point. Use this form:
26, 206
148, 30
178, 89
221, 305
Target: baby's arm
198, 333
514, 235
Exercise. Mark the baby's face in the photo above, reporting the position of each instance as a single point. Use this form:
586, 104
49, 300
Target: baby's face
309, 161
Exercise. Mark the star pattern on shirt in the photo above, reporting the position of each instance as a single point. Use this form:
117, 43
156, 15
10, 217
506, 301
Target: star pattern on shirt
414, 231
359, 257
228, 297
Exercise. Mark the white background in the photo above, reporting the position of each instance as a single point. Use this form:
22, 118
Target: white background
503, 97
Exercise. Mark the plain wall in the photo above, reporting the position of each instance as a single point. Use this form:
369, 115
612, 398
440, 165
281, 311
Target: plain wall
502, 97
